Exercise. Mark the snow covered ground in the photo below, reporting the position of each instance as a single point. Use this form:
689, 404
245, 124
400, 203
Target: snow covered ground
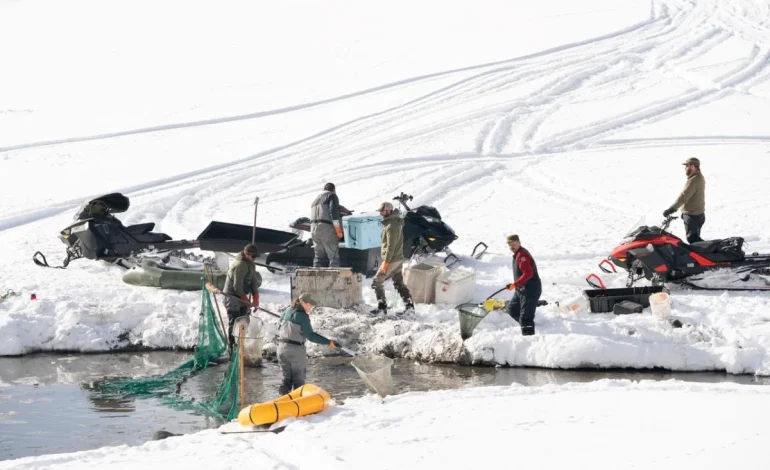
561, 121
604, 425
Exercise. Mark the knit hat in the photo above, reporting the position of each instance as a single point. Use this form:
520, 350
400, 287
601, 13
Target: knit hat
251, 250
385, 206
512, 238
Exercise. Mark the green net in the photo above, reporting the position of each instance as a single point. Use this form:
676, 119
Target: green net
470, 316
167, 387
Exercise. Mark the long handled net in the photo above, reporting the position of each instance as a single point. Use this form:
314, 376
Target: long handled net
470, 316
375, 372
167, 387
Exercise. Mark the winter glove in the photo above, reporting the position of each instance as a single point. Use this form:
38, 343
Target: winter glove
338, 229
245, 299
511, 286
668, 212
333, 344
255, 299
383, 267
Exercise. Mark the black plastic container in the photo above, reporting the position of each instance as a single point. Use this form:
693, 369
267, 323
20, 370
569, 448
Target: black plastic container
604, 300
231, 238
627, 307
365, 262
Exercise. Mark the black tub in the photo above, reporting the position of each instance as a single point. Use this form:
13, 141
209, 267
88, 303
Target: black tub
603, 300
231, 238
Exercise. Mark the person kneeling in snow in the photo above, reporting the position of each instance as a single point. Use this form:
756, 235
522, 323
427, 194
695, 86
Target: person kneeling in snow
242, 280
295, 328
527, 286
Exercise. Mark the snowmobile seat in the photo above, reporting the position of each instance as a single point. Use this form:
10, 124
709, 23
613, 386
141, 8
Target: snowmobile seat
152, 237
706, 246
728, 245
140, 229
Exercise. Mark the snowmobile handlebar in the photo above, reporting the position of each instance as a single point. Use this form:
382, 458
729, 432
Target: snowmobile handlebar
402, 198
667, 221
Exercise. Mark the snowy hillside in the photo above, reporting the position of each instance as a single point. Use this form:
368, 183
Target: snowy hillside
564, 122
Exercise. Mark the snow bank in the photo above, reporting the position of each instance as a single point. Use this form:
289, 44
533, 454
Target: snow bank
560, 121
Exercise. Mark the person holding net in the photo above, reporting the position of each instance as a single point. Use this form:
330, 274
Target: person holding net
241, 286
294, 330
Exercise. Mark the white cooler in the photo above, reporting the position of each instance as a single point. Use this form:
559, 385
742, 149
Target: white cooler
456, 287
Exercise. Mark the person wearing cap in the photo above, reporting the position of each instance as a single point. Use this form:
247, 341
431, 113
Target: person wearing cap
526, 284
326, 228
392, 252
241, 286
692, 200
294, 330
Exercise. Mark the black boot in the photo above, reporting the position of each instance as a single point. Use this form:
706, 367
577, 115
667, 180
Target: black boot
527, 330
408, 307
382, 308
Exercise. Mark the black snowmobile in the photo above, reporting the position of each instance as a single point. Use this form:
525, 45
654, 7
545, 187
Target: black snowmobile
660, 256
424, 231
98, 235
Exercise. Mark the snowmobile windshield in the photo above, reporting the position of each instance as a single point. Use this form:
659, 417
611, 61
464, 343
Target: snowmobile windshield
634, 230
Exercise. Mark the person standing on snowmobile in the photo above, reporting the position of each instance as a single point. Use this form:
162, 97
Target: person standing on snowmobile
326, 228
693, 200
242, 280
294, 330
392, 260
527, 286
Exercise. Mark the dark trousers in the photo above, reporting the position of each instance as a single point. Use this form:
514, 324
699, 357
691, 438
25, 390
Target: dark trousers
293, 362
394, 272
234, 313
692, 225
523, 305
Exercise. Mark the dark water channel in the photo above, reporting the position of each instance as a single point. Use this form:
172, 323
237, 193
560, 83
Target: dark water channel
48, 404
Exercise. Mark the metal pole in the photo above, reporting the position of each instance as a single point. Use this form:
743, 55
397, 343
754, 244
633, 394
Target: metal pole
242, 392
254, 227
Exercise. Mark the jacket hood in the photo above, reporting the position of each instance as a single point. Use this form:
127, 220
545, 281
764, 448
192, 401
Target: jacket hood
391, 217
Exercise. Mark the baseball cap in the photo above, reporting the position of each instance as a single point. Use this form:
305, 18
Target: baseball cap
692, 161
307, 298
385, 206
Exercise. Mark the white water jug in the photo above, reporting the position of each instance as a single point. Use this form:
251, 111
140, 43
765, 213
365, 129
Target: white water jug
575, 305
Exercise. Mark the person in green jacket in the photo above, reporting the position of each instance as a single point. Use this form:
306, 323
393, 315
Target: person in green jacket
294, 330
242, 282
692, 200
392, 260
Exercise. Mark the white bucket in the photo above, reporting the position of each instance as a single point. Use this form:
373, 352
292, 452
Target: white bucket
660, 304
576, 305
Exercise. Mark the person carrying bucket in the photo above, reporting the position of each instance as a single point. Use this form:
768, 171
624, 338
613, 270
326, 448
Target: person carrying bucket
294, 330
527, 286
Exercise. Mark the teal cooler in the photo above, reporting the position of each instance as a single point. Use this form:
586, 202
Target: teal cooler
362, 231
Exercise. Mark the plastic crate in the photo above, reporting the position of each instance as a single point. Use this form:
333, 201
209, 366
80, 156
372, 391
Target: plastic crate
362, 231
604, 300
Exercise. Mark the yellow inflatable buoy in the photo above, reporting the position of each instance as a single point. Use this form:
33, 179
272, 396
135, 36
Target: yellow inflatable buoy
306, 400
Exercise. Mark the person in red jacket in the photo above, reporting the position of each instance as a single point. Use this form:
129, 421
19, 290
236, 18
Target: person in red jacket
527, 286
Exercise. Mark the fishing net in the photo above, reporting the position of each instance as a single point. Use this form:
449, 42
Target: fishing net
167, 387
375, 372
470, 316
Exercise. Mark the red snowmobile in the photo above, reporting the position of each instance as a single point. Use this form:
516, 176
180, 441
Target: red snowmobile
660, 256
